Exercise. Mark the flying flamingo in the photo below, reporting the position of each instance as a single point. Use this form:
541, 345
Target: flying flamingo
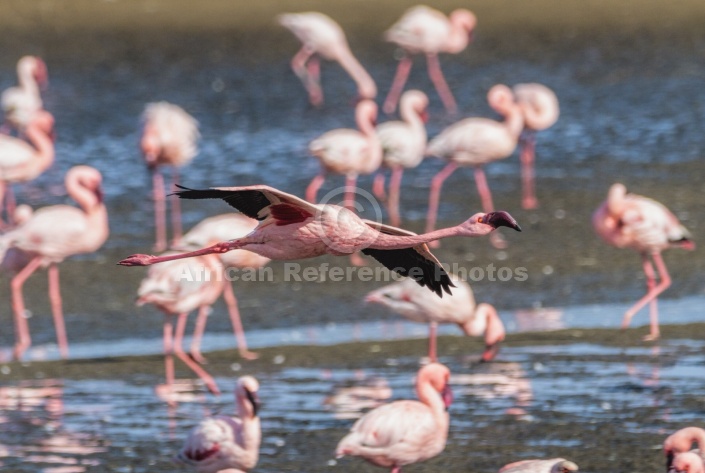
475, 142
321, 36
169, 137
404, 432
553, 465
682, 441
688, 462
223, 443
632, 221
20, 103
178, 288
411, 301
49, 236
424, 30
403, 146
291, 228
212, 230
539, 105
21, 161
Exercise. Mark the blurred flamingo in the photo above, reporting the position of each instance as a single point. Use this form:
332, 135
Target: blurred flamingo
321, 36
403, 146
554, 465
227, 444
169, 137
688, 462
49, 236
682, 441
291, 228
476, 142
539, 105
20, 103
632, 221
424, 30
404, 432
411, 301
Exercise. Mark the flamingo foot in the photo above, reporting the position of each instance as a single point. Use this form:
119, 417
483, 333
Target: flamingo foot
357, 260
198, 357
137, 260
249, 355
490, 353
529, 203
652, 337
498, 241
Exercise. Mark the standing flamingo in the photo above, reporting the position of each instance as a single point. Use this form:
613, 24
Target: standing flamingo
424, 30
404, 432
20, 103
411, 301
49, 236
688, 462
682, 441
403, 146
321, 36
169, 137
632, 221
212, 230
475, 142
227, 444
178, 288
553, 465
291, 228
539, 106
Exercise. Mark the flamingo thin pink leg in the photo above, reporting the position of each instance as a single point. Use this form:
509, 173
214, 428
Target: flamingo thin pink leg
436, 75
57, 311
378, 186
496, 238
22, 337
195, 367
234, 312
159, 211
528, 147
313, 187
169, 351
314, 75
218, 248
198, 330
3, 190
434, 197
403, 69
10, 205
432, 329
394, 190
350, 188
651, 295
176, 211
650, 285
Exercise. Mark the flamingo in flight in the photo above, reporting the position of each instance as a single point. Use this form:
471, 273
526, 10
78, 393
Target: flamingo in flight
682, 441
539, 106
404, 432
212, 230
476, 142
427, 31
224, 443
553, 465
688, 462
291, 228
21, 102
632, 221
169, 136
411, 301
403, 146
50, 235
321, 36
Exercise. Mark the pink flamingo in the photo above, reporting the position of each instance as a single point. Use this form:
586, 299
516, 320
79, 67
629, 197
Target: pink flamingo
424, 30
21, 161
403, 146
475, 142
688, 462
49, 236
321, 36
632, 221
554, 465
169, 137
223, 443
178, 288
291, 228
682, 441
212, 230
20, 103
539, 106
406, 299
404, 432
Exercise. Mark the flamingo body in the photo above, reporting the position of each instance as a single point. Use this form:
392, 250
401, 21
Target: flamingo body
553, 465
404, 142
682, 441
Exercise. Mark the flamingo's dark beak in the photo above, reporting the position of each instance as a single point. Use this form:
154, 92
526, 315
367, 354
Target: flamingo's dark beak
254, 400
502, 219
447, 395
424, 116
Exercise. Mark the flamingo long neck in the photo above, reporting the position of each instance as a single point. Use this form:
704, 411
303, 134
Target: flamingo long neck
25, 77
432, 399
251, 432
398, 242
412, 117
365, 85
44, 156
365, 124
85, 198
694, 434
513, 119
459, 36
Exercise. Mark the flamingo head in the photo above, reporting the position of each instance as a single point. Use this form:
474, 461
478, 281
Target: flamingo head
688, 462
366, 114
417, 101
564, 466
246, 390
438, 376
40, 73
484, 223
89, 178
501, 98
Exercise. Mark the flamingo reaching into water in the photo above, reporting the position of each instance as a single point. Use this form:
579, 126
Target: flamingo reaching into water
169, 137
688, 462
49, 236
411, 301
178, 288
223, 443
404, 432
476, 142
539, 106
321, 36
682, 441
424, 30
632, 221
553, 465
403, 146
291, 228
21, 102
212, 230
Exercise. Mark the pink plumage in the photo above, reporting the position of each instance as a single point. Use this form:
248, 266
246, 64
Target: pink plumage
553, 465
21, 102
682, 441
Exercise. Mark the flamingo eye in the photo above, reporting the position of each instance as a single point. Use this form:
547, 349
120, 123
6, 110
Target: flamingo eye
481, 219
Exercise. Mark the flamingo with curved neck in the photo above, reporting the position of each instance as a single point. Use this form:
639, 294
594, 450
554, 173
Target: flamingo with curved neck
21, 102
682, 441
